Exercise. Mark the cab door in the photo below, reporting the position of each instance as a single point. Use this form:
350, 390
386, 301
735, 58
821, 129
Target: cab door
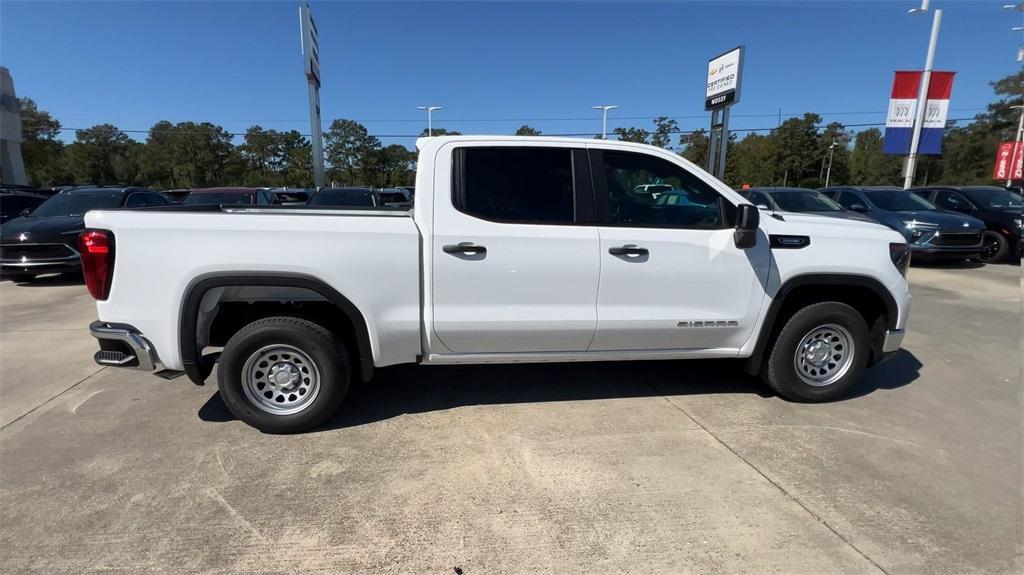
672, 277
514, 252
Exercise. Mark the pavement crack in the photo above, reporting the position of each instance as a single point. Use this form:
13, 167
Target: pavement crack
36, 408
781, 489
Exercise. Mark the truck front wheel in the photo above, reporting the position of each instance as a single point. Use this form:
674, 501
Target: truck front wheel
820, 353
283, 374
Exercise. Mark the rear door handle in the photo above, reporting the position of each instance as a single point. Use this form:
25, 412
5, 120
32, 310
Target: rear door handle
629, 250
466, 248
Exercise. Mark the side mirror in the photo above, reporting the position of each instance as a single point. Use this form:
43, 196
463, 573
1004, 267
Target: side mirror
747, 220
858, 207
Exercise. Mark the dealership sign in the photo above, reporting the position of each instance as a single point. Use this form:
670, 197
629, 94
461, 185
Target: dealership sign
899, 125
1009, 162
724, 74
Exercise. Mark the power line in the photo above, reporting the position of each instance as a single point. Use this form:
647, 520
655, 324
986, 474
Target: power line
379, 136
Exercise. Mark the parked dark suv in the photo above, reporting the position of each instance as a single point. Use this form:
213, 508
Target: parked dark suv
998, 208
46, 239
14, 202
931, 232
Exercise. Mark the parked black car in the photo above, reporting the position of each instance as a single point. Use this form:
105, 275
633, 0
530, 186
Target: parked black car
14, 202
345, 197
998, 208
46, 239
931, 232
395, 198
800, 200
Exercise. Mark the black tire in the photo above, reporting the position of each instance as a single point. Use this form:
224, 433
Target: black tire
781, 370
994, 248
321, 347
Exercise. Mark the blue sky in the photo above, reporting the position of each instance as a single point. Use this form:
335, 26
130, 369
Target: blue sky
493, 66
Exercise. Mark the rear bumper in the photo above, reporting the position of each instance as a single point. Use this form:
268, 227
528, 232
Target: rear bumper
122, 345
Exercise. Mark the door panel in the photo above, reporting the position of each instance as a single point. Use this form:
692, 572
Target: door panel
534, 289
682, 283
667, 299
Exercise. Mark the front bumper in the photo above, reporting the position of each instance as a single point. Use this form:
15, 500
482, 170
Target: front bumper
39, 258
927, 251
122, 345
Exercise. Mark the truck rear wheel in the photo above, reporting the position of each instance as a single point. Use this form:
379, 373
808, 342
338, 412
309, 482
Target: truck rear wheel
283, 374
820, 353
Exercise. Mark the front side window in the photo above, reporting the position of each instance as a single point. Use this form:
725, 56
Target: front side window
849, 199
515, 185
950, 200
683, 200
760, 199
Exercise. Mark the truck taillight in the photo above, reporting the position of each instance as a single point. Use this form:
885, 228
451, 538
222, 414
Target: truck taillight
97, 251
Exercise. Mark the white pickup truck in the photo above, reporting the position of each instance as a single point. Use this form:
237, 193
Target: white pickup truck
518, 249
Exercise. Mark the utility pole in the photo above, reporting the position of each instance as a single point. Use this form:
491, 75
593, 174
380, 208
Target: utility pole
922, 94
604, 119
430, 117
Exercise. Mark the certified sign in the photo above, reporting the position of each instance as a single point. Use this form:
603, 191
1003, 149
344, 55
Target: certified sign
724, 73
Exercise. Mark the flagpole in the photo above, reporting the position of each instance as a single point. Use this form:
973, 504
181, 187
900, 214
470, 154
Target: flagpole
922, 99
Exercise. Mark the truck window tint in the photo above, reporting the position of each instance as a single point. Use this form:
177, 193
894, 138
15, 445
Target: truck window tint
525, 185
683, 201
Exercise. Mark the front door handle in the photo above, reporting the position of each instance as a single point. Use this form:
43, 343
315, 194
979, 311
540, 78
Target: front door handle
629, 250
465, 248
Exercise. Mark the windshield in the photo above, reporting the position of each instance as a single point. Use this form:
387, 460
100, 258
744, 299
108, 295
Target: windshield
805, 201
898, 200
342, 198
218, 198
994, 198
76, 203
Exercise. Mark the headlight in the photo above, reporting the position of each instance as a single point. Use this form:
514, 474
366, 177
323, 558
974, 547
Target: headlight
900, 255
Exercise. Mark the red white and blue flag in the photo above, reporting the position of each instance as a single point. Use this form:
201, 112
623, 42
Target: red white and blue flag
899, 125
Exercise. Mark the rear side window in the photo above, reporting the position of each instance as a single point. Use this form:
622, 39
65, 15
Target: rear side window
515, 185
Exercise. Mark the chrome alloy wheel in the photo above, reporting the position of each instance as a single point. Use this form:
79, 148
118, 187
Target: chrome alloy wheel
824, 355
280, 379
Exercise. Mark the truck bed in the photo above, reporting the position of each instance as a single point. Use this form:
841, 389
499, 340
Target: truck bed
371, 256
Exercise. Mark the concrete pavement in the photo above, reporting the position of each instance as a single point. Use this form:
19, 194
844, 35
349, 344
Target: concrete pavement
652, 467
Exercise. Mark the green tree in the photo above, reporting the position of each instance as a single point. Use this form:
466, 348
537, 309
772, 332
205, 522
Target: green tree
632, 134
41, 151
695, 147
95, 153
439, 132
391, 166
797, 148
348, 147
525, 130
664, 127
868, 165
754, 160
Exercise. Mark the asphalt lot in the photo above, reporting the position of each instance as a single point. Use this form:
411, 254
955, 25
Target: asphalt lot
656, 467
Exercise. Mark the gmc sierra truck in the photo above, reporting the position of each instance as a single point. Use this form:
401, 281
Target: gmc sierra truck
518, 249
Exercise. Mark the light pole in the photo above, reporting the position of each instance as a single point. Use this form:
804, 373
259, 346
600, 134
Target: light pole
430, 117
604, 120
922, 94
831, 152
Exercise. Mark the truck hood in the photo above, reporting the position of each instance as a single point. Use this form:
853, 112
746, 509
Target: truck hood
813, 224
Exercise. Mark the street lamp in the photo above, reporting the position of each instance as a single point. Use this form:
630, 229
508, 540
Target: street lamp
831, 152
604, 120
922, 94
430, 117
